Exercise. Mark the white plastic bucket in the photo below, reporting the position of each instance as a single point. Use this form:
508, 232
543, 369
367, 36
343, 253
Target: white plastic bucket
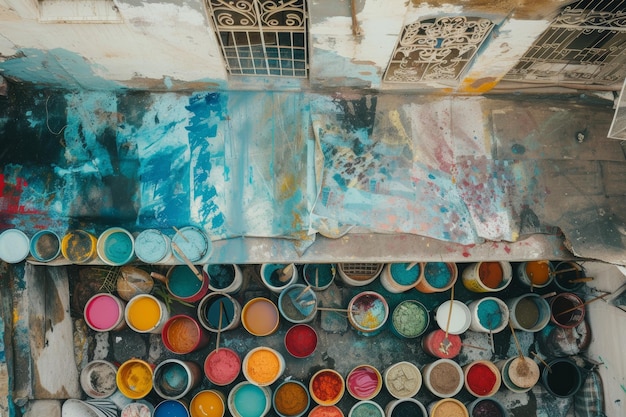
226, 278
402, 380
359, 274
460, 317
116, 246
277, 277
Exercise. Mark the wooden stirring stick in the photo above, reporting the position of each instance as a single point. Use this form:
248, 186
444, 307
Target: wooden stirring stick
191, 266
179, 233
286, 273
411, 265
219, 326
517, 344
542, 361
304, 291
339, 310
569, 310
445, 343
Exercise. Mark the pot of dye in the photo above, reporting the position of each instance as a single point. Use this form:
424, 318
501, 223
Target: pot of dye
437, 277
410, 319
222, 366
567, 310
226, 278
484, 277
194, 244
291, 399
182, 334
216, 305
104, 312
208, 403
405, 407
153, 247
173, 378
486, 407
45, 246
448, 407
528, 312
359, 274
260, 317
368, 312
327, 387
249, 400
145, 313
460, 317
116, 246
301, 340
183, 283
562, 377
489, 315
535, 274
433, 344
569, 277
326, 411
132, 281
482, 378
366, 408
171, 408
403, 380
79, 247
14, 246
400, 277
97, 379
518, 374
319, 276
364, 382
134, 378
443, 378
298, 303
263, 365
277, 277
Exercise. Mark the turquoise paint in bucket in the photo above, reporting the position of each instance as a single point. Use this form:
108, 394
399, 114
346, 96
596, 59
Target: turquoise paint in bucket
193, 243
45, 246
209, 312
14, 246
152, 246
249, 400
171, 408
182, 283
116, 246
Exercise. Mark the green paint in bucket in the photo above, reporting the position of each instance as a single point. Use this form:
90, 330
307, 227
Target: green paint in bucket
116, 246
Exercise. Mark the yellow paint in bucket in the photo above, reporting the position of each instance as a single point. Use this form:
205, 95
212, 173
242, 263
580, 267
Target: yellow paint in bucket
134, 378
208, 403
79, 246
145, 314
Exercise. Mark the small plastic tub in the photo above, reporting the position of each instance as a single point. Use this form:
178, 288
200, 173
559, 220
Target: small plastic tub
366, 408
444, 378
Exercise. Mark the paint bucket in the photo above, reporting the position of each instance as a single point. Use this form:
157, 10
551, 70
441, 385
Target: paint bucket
263, 365
437, 277
104, 312
14, 246
535, 274
222, 366
277, 277
260, 317
291, 399
208, 403
562, 377
185, 285
568, 277
194, 244
116, 246
396, 278
444, 378
326, 387
460, 317
138, 409
226, 278
366, 408
297, 303
359, 274
153, 247
486, 407
489, 315
368, 312
249, 400
145, 313
448, 407
45, 246
432, 344
487, 276
561, 306
364, 382
301, 340
97, 379
216, 304
182, 334
326, 411
402, 380
482, 378
319, 276
173, 378
79, 247
171, 408
528, 312
405, 407
409, 319
134, 378
518, 375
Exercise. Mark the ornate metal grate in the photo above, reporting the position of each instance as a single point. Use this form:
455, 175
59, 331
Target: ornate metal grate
585, 44
436, 49
262, 37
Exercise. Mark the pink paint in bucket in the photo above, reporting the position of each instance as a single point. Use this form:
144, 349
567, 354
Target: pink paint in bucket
222, 366
182, 334
105, 312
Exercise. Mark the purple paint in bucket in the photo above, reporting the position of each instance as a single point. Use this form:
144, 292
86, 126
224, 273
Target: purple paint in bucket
104, 312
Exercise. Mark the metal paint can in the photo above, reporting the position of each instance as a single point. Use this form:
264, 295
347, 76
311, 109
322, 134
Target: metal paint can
14, 246
45, 246
116, 246
153, 247
174, 378
79, 247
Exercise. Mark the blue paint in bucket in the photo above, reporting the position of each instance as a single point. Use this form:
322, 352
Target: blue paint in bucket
152, 246
437, 274
171, 408
250, 401
182, 282
213, 311
116, 246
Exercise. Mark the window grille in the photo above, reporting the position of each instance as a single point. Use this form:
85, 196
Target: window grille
262, 37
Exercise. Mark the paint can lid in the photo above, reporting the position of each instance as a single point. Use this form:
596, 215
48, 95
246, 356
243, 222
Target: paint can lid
14, 246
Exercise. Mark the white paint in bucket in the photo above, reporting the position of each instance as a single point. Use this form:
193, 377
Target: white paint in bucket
153, 247
460, 317
45, 246
14, 246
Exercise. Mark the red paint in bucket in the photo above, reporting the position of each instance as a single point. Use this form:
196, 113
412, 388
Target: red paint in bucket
222, 366
182, 334
431, 343
482, 378
301, 340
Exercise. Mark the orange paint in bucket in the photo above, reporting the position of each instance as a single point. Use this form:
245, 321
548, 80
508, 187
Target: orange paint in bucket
182, 334
208, 403
262, 366
260, 317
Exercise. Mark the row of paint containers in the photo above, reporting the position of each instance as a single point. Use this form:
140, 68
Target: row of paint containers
115, 246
